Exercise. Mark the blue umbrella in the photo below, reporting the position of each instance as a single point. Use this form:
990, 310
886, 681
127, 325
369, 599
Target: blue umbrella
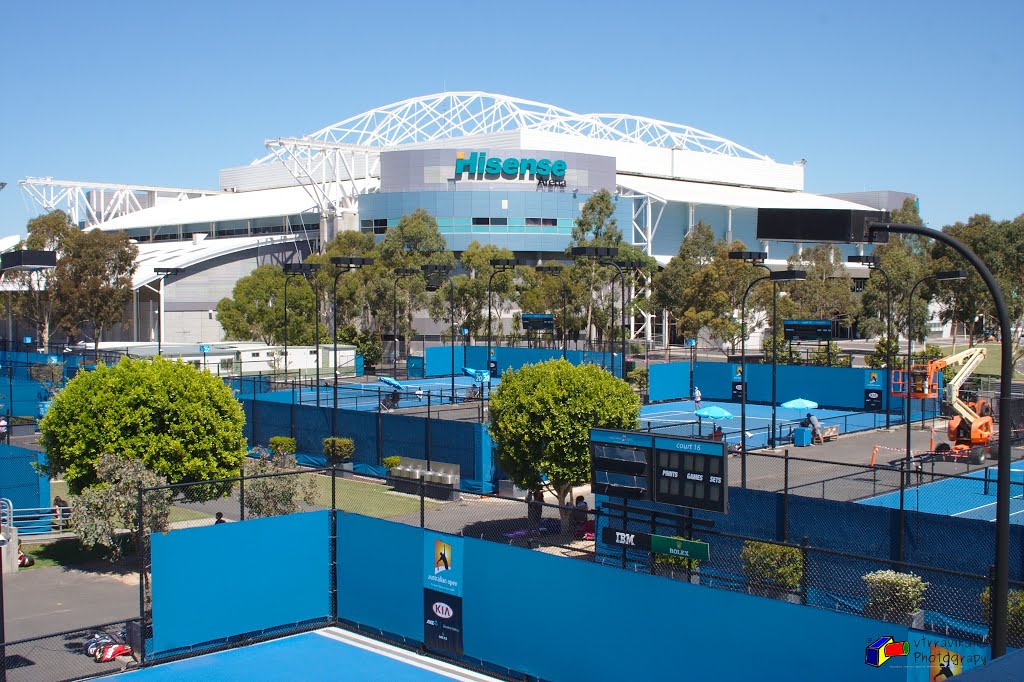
391, 382
713, 412
480, 375
799, 404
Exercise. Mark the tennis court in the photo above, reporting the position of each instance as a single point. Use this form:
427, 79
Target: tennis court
665, 418
968, 497
328, 654
368, 395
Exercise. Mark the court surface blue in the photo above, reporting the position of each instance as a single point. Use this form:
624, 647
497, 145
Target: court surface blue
328, 654
759, 420
964, 497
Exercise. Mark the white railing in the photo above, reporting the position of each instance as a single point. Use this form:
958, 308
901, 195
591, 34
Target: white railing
40, 520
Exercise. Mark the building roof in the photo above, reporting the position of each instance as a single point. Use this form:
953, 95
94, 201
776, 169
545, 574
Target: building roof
730, 195
184, 254
268, 203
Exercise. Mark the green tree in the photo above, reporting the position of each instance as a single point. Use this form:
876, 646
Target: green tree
35, 301
541, 416
99, 513
255, 310
181, 423
276, 495
827, 293
94, 281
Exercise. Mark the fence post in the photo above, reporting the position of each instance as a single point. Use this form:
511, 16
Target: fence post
380, 436
429, 444
423, 502
333, 549
241, 493
142, 575
991, 592
291, 411
785, 496
803, 575
902, 514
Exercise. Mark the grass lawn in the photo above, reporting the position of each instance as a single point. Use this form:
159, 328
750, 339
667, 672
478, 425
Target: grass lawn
177, 513
66, 553
368, 499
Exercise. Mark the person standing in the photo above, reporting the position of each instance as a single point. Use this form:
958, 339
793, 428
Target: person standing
534, 510
3, 431
696, 398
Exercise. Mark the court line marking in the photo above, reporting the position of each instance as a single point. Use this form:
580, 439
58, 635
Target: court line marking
403, 656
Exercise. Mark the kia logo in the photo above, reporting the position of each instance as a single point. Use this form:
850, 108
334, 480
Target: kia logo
442, 610
872, 395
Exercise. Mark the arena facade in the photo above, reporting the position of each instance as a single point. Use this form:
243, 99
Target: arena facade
490, 168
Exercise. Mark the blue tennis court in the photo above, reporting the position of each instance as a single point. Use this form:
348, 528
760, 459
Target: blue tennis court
328, 654
368, 395
968, 497
662, 416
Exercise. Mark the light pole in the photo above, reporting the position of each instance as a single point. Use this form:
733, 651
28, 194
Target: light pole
350, 263
873, 263
399, 274
304, 269
163, 272
756, 258
557, 270
743, 380
776, 277
1000, 588
444, 272
604, 255
499, 265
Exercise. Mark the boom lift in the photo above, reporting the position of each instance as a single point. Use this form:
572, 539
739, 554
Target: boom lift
970, 423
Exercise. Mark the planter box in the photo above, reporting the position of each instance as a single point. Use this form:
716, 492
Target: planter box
774, 592
914, 619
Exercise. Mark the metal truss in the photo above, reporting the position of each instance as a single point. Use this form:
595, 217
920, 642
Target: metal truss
334, 174
91, 203
458, 114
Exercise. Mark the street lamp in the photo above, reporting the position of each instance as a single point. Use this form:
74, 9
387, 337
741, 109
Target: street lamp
557, 270
776, 277
399, 274
604, 255
350, 263
874, 264
499, 265
444, 272
1000, 587
756, 258
163, 272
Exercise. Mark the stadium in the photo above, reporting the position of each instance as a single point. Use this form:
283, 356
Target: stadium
490, 168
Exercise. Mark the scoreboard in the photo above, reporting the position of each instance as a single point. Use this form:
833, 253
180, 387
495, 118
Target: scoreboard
807, 330
684, 472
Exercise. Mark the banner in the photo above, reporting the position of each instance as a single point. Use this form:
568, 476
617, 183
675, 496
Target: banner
442, 593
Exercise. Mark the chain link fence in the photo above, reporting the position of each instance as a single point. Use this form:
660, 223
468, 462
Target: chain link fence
70, 655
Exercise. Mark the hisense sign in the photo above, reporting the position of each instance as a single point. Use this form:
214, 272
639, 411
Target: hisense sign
478, 166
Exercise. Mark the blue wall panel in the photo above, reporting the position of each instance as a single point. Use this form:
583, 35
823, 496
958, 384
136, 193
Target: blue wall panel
733, 636
671, 381
380, 574
439, 358
19, 481
255, 585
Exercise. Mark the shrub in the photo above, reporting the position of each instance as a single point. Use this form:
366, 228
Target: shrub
894, 592
339, 449
775, 565
282, 445
391, 462
638, 377
1015, 615
676, 561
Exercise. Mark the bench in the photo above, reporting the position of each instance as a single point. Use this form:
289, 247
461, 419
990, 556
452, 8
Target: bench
829, 433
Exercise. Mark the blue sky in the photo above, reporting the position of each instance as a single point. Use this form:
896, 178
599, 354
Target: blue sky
922, 97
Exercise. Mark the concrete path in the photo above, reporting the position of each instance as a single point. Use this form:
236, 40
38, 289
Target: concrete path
41, 601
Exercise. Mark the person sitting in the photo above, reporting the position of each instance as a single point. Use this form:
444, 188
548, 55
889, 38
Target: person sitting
718, 434
472, 393
24, 560
390, 402
811, 421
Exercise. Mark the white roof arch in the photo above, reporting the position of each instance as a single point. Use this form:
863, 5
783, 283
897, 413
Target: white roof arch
458, 114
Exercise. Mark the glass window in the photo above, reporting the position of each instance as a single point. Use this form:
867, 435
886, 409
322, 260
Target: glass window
481, 221
499, 221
